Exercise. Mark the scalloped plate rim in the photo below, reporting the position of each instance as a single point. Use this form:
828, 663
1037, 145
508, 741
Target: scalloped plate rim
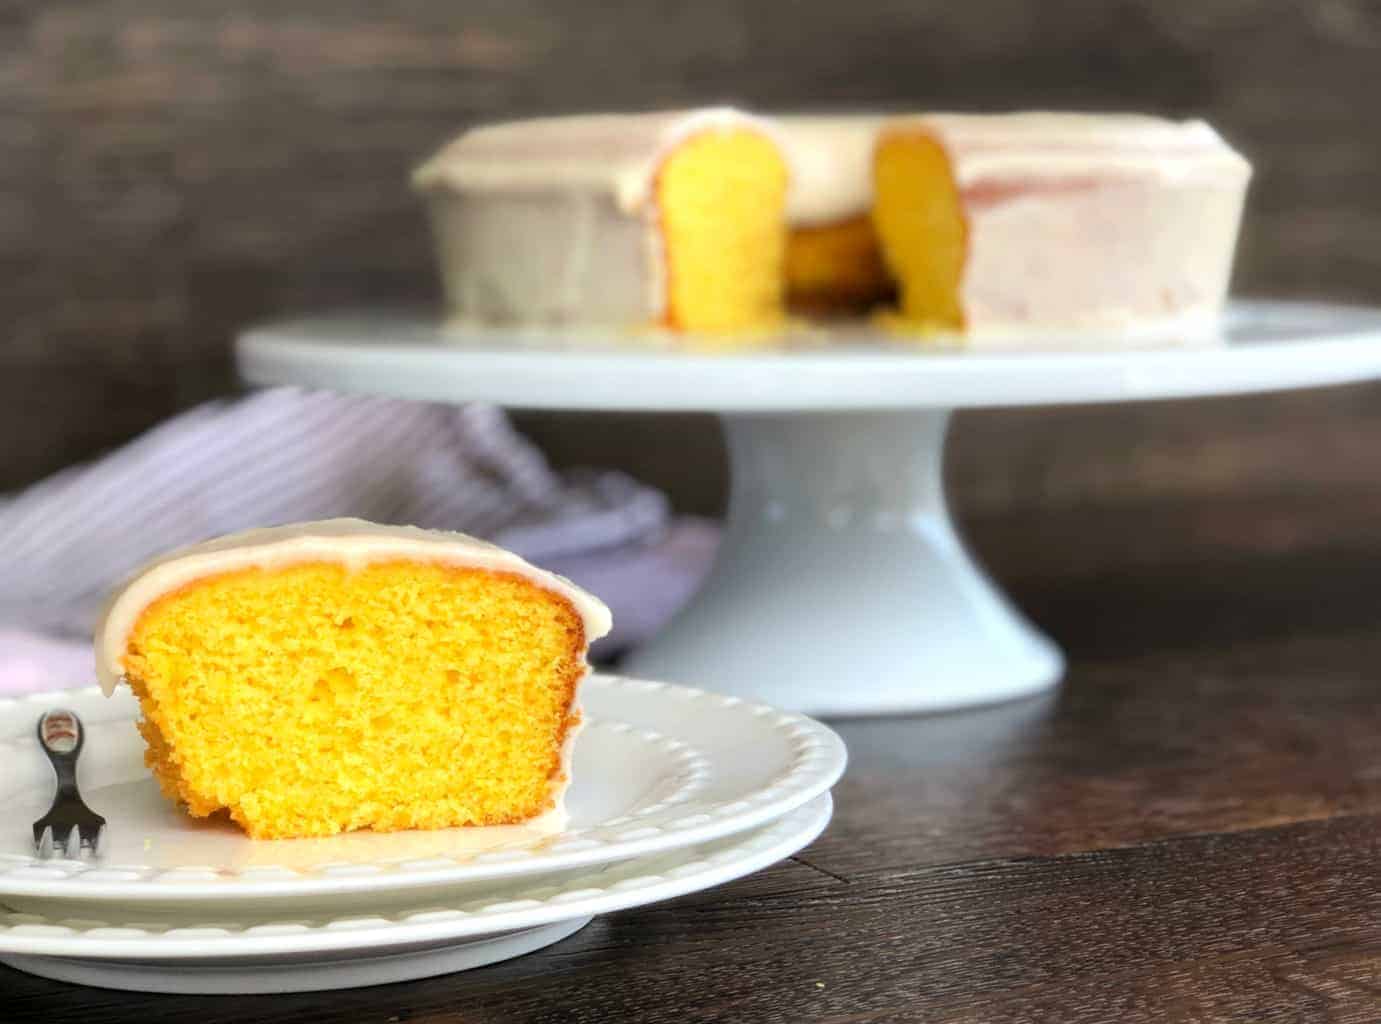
734, 857
820, 761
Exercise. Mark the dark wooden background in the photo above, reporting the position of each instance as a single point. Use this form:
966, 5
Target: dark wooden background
170, 171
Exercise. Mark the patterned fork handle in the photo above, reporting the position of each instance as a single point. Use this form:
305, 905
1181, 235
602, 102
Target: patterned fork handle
69, 824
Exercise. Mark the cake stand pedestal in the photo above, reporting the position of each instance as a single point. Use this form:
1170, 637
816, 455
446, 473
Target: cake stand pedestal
841, 587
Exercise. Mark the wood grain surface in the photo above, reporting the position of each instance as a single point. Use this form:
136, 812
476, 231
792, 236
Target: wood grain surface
1189, 830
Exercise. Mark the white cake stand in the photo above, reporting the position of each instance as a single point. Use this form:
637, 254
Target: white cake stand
841, 587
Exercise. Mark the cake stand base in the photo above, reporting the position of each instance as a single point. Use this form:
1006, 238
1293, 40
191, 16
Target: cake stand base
841, 587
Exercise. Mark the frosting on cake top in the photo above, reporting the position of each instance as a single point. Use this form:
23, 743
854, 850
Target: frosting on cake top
350, 542
829, 156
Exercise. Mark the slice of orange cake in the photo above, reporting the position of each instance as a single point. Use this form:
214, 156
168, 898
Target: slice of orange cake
323, 677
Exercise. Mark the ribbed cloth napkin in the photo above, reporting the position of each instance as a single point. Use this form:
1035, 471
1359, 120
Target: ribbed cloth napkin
288, 455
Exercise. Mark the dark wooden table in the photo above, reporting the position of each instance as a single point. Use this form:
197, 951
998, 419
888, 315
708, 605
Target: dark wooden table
1188, 830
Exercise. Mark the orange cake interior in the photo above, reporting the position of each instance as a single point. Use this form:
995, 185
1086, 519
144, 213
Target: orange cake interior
836, 268
721, 199
919, 219
316, 698
733, 262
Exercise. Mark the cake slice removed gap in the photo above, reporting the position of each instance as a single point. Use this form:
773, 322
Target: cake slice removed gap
836, 269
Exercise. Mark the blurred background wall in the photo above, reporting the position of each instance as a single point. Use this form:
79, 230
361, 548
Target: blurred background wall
171, 170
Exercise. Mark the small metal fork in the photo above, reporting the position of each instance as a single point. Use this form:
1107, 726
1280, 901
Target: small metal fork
69, 824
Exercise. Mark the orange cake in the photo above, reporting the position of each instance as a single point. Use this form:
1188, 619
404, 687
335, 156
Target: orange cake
719, 224
323, 677
668, 220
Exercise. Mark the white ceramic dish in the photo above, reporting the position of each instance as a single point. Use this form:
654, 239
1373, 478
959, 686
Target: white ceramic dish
184, 948
658, 768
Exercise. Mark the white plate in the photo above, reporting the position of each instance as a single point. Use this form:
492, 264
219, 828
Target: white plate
135, 948
1263, 346
659, 767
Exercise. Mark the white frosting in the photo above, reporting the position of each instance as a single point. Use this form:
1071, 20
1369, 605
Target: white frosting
353, 543
831, 161
552, 257
831, 156
1042, 145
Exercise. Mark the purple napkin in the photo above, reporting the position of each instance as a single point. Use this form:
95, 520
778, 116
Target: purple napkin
287, 455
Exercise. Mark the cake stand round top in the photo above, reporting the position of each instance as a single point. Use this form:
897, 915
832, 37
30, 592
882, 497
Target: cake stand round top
1265, 346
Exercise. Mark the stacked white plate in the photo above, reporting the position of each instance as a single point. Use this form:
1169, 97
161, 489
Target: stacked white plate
675, 790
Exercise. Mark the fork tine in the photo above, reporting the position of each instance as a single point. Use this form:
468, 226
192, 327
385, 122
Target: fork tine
72, 849
98, 841
45, 844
